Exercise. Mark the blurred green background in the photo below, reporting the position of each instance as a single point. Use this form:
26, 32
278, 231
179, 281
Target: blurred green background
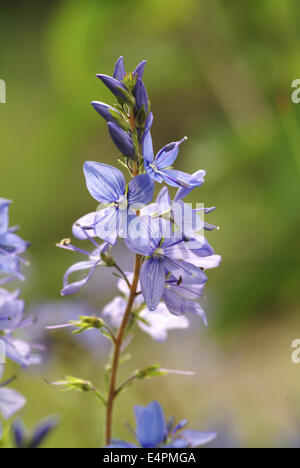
219, 72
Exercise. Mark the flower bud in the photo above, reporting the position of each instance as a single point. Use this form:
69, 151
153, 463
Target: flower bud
121, 139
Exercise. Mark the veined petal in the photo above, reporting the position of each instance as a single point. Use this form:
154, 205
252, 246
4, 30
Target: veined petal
195, 308
143, 235
152, 280
86, 221
159, 321
183, 192
185, 271
72, 288
168, 154
140, 190
12, 243
11, 401
4, 208
196, 438
119, 71
108, 224
151, 425
178, 178
11, 313
148, 153
174, 303
105, 183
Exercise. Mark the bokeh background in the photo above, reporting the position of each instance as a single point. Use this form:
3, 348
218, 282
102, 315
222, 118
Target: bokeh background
219, 72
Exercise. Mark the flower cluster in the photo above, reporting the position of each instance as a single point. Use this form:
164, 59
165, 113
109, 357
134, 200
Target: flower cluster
12, 320
152, 430
11, 247
166, 236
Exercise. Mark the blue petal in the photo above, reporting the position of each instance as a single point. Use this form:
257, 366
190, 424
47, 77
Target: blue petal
175, 304
140, 190
4, 207
18, 432
74, 287
139, 70
195, 308
119, 71
148, 126
151, 425
196, 438
148, 153
178, 178
168, 154
105, 183
152, 280
153, 174
163, 197
42, 432
12, 243
121, 139
143, 235
11, 313
185, 271
183, 192
11, 401
79, 227
108, 224
177, 443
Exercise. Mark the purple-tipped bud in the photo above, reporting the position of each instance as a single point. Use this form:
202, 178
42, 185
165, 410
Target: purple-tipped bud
139, 71
121, 139
113, 85
119, 71
141, 97
103, 109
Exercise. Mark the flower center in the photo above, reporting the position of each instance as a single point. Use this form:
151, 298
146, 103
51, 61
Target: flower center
159, 252
153, 166
123, 202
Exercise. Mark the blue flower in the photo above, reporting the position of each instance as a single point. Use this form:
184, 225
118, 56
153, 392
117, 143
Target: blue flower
11, 247
159, 248
107, 185
12, 319
153, 431
155, 323
23, 439
83, 229
11, 401
159, 167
